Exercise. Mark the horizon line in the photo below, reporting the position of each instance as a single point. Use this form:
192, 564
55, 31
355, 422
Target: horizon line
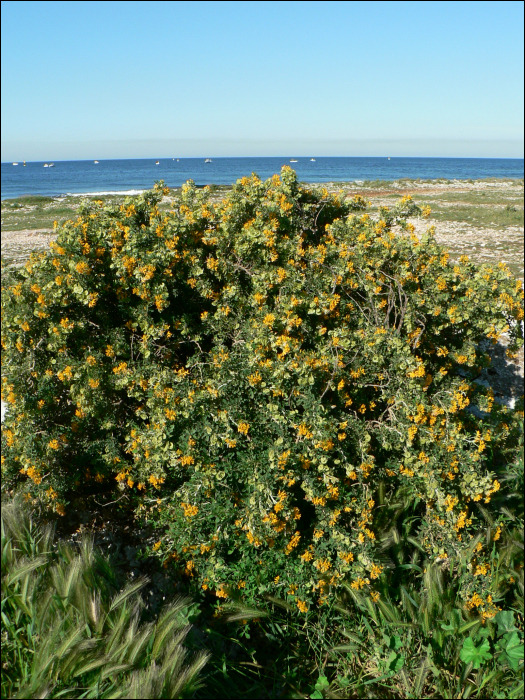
80, 160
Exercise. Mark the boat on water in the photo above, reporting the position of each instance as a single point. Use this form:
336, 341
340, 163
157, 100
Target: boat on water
177, 160
95, 161
24, 163
389, 159
208, 160
293, 160
51, 165
312, 160
157, 162
46, 165
15, 163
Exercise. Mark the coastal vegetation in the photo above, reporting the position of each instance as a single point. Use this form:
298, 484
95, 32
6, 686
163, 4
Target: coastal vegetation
281, 384
487, 212
67, 627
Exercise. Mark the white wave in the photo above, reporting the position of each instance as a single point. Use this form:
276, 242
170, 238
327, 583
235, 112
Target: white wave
95, 194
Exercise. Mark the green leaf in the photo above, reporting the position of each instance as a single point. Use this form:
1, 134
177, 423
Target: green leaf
322, 684
395, 662
505, 621
512, 646
468, 626
455, 621
343, 681
448, 628
471, 654
395, 642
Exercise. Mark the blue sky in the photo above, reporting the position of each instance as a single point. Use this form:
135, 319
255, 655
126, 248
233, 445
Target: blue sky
157, 79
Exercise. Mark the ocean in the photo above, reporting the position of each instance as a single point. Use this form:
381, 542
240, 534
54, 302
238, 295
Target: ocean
133, 176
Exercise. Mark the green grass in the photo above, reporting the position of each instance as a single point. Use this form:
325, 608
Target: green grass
68, 631
37, 218
474, 197
27, 200
480, 216
72, 630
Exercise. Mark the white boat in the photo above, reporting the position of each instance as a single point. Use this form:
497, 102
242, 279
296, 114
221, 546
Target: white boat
312, 160
95, 161
157, 162
46, 165
177, 160
389, 159
51, 165
293, 160
208, 160
15, 163
24, 163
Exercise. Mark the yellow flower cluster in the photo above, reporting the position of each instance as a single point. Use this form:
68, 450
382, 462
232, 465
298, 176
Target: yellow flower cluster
189, 510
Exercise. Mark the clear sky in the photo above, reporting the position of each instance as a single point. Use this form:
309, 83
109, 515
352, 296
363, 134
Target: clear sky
159, 79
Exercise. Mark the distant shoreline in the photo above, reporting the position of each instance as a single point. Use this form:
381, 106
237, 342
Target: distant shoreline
399, 183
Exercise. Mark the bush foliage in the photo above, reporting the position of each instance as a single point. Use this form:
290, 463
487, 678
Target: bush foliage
258, 376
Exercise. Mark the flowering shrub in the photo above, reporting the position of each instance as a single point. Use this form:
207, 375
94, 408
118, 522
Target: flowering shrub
258, 374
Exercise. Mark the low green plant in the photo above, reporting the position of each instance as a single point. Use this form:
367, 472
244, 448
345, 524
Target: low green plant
27, 201
68, 632
426, 647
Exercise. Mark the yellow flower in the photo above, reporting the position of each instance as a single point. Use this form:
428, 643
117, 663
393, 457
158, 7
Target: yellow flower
189, 510
323, 565
375, 571
358, 583
304, 431
64, 374
292, 543
303, 607
254, 378
82, 268
243, 428
154, 480
346, 556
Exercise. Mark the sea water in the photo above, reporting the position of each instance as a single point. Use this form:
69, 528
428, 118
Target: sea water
133, 176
